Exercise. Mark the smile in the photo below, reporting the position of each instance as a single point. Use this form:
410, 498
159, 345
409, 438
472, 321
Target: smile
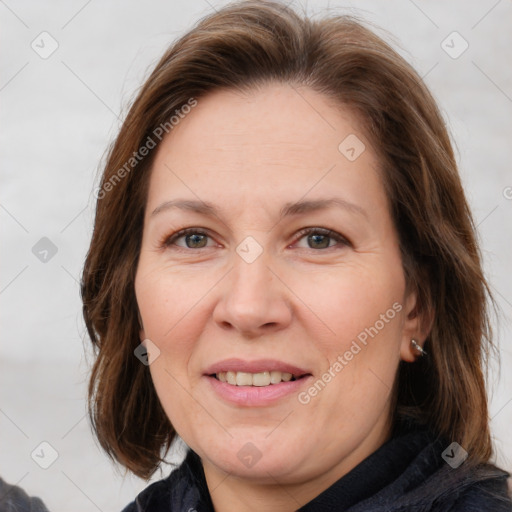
259, 379
255, 383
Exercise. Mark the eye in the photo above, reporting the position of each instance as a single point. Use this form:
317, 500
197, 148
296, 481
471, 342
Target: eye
321, 238
192, 239
316, 238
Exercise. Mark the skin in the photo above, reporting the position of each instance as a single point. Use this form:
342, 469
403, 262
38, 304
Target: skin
303, 300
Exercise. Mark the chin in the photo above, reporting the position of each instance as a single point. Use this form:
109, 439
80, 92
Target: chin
262, 460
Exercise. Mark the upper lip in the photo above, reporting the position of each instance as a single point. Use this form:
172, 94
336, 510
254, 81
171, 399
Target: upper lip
257, 366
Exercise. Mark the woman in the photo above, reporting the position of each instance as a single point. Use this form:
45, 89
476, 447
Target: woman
284, 273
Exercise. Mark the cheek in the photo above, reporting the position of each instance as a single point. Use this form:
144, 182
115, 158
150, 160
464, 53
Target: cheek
353, 300
361, 308
173, 311
170, 380
168, 300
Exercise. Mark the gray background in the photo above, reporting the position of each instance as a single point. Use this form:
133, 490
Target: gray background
58, 116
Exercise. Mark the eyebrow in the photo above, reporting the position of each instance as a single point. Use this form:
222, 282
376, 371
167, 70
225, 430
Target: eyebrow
289, 209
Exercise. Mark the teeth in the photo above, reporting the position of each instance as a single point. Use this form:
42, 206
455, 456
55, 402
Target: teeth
275, 377
261, 379
243, 379
254, 379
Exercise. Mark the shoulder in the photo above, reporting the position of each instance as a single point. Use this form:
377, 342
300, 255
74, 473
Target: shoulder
430, 483
153, 498
481, 488
15, 498
184, 489
489, 491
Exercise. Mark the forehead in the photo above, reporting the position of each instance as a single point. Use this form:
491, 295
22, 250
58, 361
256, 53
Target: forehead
276, 120
278, 139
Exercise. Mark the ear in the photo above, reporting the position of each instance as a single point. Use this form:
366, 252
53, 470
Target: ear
417, 325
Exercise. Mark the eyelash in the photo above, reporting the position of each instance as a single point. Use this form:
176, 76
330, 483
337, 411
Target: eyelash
168, 241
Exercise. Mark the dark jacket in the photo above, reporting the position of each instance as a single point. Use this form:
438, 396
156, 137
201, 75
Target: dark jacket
407, 473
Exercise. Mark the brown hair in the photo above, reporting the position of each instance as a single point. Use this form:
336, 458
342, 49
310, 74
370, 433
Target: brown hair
245, 45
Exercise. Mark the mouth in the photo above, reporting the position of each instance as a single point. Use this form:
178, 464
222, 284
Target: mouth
260, 379
255, 383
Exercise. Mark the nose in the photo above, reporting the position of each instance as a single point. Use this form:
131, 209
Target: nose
253, 300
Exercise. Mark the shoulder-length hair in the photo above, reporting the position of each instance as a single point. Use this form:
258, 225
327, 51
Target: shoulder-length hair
245, 45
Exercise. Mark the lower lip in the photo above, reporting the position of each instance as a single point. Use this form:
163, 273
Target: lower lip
254, 396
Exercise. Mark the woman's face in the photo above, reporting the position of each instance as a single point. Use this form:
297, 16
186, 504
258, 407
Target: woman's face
290, 265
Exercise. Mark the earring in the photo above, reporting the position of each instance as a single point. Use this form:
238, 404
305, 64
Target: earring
418, 348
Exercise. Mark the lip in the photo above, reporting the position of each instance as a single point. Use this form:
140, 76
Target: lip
255, 396
260, 365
